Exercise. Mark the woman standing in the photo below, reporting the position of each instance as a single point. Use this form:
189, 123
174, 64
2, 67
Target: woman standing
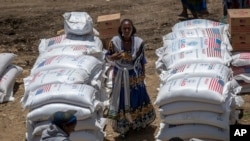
197, 7
130, 105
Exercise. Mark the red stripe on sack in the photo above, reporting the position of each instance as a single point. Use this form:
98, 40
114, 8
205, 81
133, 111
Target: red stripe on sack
214, 85
244, 56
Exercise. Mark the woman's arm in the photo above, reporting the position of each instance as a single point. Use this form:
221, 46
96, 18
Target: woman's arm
111, 54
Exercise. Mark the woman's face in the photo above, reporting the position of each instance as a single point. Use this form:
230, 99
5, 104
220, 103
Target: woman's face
126, 29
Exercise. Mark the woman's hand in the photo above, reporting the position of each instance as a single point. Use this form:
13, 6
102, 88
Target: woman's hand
115, 56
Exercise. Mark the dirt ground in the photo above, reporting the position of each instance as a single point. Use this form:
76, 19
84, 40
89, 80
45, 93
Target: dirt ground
24, 22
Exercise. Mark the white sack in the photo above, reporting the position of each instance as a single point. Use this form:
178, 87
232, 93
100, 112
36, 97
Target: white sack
187, 106
79, 23
183, 44
5, 60
192, 131
7, 82
241, 59
241, 73
61, 75
208, 55
88, 63
199, 117
72, 46
70, 40
75, 94
44, 112
74, 50
198, 23
201, 89
219, 71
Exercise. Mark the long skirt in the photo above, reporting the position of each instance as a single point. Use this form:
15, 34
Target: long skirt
141, 110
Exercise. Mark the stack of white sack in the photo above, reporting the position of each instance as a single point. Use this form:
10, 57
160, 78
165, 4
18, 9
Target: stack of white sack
67, 75
197, 93
241, 69
8, 74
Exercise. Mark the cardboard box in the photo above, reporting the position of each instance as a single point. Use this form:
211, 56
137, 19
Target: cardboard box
108, 21
241, 46
239, 29
240, 38
108, 33
239, 17
239, 20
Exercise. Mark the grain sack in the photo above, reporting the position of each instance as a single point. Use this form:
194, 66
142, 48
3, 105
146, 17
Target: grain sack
61, 75
79, 23
192, 131
88, 63
244, 77
192, 33
44, 112
184, 44
188, 106
198, 23
208, 55
240, 59
71, 45
199, 117
69, 40
5, 60
7, 82
45, 43
219, 71
75, 94
201, 89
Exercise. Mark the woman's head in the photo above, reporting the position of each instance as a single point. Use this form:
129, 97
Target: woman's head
126, 28
65, 120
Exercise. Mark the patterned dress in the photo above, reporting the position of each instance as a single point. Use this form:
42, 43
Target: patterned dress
130, 105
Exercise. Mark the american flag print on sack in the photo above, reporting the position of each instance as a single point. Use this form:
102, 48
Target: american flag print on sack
56, 40
34, 77
43, 89
240, 70
178, 69
212, 32
213, 52
216, 85
213, 42
47, 61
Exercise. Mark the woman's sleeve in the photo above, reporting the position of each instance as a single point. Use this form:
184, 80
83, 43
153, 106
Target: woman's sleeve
143, 60
110, 49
